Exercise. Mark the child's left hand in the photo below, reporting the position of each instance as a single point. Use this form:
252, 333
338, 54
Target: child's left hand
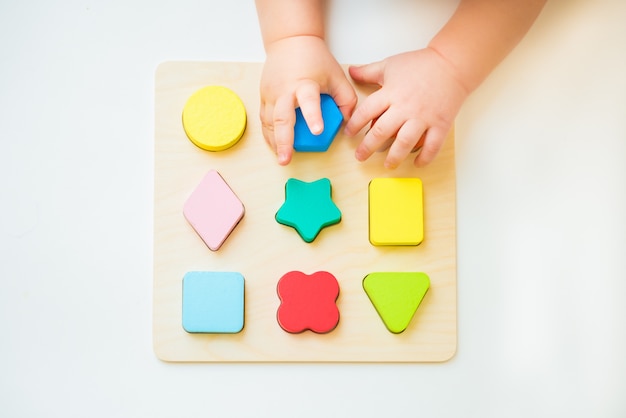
415, 107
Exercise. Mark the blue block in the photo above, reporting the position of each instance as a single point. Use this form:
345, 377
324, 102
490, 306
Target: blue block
305, 141
213, 302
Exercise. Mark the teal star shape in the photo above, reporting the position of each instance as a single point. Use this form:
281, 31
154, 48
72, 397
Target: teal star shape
308, 207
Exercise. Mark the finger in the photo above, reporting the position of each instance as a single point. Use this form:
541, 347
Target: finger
283, 119
433, 141
267, 128
406, 139
368, 74
369, 110
268, 135
385, 127
308, 97
418, 147
385, 146
345, 98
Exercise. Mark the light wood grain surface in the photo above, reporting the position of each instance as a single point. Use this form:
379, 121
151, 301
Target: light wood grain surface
263, 250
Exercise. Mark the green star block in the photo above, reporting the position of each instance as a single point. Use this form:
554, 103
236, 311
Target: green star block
308, 207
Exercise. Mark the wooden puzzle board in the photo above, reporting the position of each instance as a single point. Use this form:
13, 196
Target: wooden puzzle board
263, 250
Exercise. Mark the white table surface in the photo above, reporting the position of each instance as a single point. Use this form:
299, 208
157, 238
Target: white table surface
541, 160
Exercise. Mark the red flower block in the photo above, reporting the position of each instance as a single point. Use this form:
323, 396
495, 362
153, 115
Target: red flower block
308, 302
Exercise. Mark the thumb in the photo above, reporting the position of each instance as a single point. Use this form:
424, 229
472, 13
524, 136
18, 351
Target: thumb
345, 98
368, 74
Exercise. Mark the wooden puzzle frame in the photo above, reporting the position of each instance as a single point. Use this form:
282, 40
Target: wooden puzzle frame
263, 250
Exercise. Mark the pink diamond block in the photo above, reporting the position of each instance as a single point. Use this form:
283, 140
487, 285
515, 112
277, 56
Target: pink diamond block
213, 210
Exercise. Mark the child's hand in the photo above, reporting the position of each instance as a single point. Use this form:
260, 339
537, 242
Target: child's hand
415, 107
296, 71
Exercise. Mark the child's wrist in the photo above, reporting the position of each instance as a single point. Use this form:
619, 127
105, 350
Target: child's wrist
292, 40
455, 70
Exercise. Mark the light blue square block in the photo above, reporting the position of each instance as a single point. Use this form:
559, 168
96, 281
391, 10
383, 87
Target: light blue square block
213, 302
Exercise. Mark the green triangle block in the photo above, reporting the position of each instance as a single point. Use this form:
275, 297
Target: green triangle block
396, 296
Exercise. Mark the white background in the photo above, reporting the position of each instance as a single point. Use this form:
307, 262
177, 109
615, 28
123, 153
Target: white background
541, 168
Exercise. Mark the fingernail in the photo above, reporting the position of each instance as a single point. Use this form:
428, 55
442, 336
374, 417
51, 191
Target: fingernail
317, 129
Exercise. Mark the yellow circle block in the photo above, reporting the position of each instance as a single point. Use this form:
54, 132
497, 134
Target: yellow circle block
214, 118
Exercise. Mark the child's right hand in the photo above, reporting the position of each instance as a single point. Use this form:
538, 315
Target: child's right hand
297, 69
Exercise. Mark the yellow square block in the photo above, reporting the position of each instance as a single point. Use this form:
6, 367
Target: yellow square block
396, 211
